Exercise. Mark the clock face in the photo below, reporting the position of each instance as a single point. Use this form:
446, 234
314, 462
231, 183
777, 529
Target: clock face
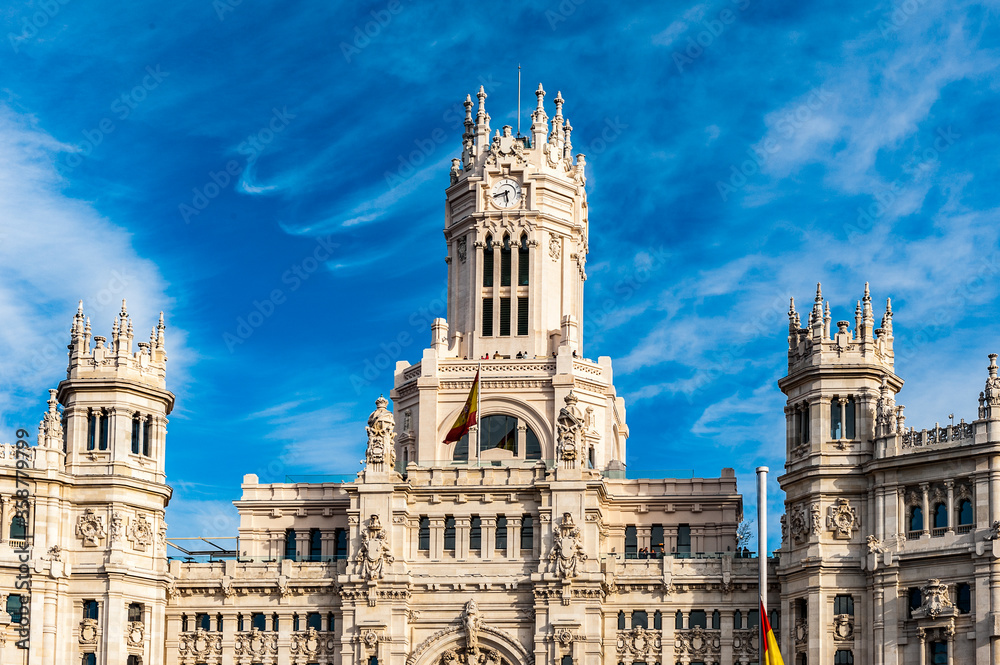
505, 193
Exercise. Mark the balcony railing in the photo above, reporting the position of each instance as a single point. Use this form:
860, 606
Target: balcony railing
964, 528
938, 531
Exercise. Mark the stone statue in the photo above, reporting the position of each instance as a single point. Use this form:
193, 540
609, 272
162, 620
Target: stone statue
992, 391
569, 425
381, 431
473, 623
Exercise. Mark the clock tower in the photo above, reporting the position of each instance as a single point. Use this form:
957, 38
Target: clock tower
516, 229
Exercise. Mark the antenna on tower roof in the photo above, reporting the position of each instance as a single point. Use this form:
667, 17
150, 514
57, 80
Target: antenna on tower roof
519, 99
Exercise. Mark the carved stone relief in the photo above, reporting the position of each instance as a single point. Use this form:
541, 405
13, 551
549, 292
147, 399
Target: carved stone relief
842, 519
90, 528
375, 550
567, 548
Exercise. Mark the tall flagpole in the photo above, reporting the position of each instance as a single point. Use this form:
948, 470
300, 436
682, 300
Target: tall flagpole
519, 99
479, 416
762, 553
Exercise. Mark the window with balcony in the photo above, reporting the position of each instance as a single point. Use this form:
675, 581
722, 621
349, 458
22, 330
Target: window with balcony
916, 522
631, 542
340, 543
290, 544
965, 517
500, 431
940, 516
18, 528
684, 540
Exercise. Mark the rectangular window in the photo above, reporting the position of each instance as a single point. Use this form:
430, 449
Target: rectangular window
91, 430
135, 612
147, 431
449, 533
501, 535
836, 427
697, 619
15, 607
845, 657
239, 622
849, 416
753, 618
522, 316
684, 540
424, 534
505, 265
89, 659
203, 621
135, 435
656, 541
90, 609
315, 545
843, 604
640, 619
487, 317
806, 415
476, 533
505, 317
488, 265
295, 622
631, 542
330, 622
314, 620
290, 550
527, 534
105, 426
340, 538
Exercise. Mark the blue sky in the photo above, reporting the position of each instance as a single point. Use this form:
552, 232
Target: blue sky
730, 148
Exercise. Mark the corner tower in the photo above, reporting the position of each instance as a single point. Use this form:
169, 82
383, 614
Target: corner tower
516, 231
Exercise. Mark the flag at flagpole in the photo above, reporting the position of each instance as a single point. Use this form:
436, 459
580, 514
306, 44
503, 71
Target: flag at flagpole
771, 654
468, 415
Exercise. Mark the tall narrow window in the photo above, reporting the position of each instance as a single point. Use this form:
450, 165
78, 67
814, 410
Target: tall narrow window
916, 519
290, 544
940, 516
136, 425
964, 600
964, 512
806, 412
522, 316
488, 262
939, 654
684, 540
476, 533
915, 600
424, 533
836, 426
656, 540
330, 622
239, 622
621, 620
849, 416
218, 622
501, 535
522, 262
527, 534
679, 620
449, 533
631, 542
738, 620
505, 317
91, 429
505, 262
657, 620
105, 427
716, 620
203, 621
532, 445
753, 618
340, 543
15, 607
315, 545
487, 317
147, 431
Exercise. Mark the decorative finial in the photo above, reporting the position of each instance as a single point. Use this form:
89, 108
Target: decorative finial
124, 311
819, 293
381, 402
888, 306
791, 306
79, 308
868, 296
559, 103
540, 93
857, 310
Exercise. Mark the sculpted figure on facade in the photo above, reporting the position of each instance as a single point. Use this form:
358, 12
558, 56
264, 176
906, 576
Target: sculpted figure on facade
90, 528
569, 427
473, 623
567, 548
381, 428
375, 550
885, 412
992, 391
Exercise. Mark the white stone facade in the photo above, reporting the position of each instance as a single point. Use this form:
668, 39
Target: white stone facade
528, 541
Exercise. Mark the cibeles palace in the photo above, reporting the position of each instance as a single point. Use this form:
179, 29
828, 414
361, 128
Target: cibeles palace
529, 541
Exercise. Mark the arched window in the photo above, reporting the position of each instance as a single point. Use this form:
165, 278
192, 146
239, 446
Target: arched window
679, 620
505, 262
940, 516
290, 544
621, 620
18, 528
488, 262
657, 620
500, 431
965, 512
738, 620
916, 519
716, 620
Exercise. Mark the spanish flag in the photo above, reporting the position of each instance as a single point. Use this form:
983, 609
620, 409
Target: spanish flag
771, 654
468, 416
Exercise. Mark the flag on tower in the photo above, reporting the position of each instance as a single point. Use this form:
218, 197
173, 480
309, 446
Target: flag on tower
468, 416
771, 654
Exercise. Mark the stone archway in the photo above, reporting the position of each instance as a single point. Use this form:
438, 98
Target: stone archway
450, 647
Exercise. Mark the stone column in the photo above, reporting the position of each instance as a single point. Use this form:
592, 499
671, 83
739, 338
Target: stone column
994, 490
5, 517
522, 434
437, 537
878, 611
489, 526
329, 545
950, 634
922, 636
642, 537
513, 537
302, 545
950, 486
462, 533
926, 532
901, 511
843, 417
880, 513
